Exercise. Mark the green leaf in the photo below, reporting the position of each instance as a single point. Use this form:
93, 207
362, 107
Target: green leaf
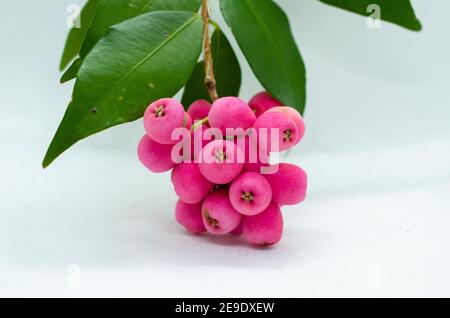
262, 31
111, 12
399, 12
76, 35
226, 70
136, 63
72, 71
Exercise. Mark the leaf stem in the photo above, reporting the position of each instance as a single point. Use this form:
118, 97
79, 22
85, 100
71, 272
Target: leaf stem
210, 80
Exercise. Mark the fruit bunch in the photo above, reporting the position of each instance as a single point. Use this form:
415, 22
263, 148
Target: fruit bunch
219, 155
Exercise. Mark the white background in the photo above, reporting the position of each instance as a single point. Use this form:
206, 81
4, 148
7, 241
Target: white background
376, 222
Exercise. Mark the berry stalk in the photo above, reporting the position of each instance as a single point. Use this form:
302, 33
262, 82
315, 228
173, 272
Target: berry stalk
200, 123
210, 80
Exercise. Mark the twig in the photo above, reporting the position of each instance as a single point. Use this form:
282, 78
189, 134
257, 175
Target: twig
210, 81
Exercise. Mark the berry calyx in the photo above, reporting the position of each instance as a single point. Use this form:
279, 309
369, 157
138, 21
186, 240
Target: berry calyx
295, 116
218, 161
219, 216
275, 127
164, 116
250, 193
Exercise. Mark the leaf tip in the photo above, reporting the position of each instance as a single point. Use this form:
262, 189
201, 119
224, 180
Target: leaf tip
47, 160
64, 79
418, 26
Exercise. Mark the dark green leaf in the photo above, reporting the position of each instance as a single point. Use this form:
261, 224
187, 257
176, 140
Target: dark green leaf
226, 69
76, 35
137, 62
262, 31
71, 72
110, 12
399, 12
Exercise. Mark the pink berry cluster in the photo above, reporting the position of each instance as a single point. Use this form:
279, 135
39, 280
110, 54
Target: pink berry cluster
227, 184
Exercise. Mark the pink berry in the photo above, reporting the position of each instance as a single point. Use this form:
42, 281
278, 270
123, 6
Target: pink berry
250, 193
189, 183
295, 116
199, 140
199, 110
162, 117
255, 156
288, 184
230, 112
193, 142
190, 216
277, 123
265, 228
154, 156
237, 231
219, 216
262, 102
219, 161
